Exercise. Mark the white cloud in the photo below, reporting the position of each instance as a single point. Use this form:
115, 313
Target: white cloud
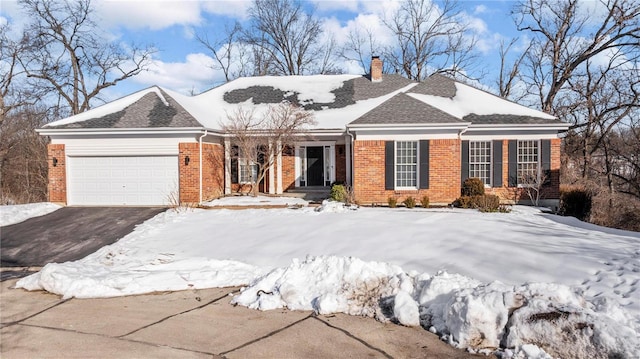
480, 9
154, 15
233, 8
194, 74
336, 5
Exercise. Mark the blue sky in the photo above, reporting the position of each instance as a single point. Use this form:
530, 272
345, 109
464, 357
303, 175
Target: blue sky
182, 64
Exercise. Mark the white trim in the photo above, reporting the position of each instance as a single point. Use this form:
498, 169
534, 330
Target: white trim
395, 168
279, 169
272, 177
123, 131
227, 166
407, 137
298, 159
347, 156
297, 165
410, 126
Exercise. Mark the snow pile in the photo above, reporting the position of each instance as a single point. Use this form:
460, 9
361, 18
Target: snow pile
21, 212
125, 268
335, 207
594, 303
256, 201
326, 285
467, 313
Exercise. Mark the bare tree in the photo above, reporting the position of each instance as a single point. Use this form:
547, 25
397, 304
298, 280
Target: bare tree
286, 34
69, 58
23, 157
260, 138
509, 71
226, 51
360, 46
431, 37
566, 35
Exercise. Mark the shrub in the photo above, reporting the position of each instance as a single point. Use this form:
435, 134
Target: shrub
424, 202
484, 203
487, 203
464, 202
338, 193
473, 187
409, 202
576, 202
393, 202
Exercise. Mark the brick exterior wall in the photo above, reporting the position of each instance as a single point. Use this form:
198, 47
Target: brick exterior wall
57, 186
551, 190
444, 174
288, 169
212, 171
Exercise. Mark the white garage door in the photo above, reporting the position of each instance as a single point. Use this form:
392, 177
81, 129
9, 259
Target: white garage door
121, 180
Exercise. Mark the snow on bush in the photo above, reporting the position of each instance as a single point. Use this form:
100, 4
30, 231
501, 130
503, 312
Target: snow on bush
467, 313
335, 207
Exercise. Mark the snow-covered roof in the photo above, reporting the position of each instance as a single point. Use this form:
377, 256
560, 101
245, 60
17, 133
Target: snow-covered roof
335, 100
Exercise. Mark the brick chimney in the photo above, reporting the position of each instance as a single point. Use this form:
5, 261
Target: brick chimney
376, 69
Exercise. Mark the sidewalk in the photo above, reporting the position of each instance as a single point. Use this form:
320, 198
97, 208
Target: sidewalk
195, 324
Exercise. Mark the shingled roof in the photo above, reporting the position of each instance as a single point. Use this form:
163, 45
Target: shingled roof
436, 85
150, 111
360, 88
403, 109
336, 100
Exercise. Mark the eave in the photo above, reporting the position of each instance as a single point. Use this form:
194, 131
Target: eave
520, 127
125, 131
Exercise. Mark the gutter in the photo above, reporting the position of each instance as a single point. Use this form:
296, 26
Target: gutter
123, 131
200, 186
351, 156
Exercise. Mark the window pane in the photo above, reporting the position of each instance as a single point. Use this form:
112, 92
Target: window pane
406, 164
528, 162
480, 160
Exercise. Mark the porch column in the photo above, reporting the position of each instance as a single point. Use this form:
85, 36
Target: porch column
227, 166
272, 185
279, 169
347, 153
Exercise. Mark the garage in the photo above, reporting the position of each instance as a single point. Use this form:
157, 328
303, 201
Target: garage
121, 180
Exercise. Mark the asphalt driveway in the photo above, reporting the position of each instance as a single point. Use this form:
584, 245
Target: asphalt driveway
67, 234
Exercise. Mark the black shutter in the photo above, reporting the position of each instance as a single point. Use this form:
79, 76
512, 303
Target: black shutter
389, 164
234, 164
513, 163
497, 163
464, 170
545, 157
424, 164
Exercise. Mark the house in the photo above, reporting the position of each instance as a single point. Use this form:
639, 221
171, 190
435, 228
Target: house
385, 135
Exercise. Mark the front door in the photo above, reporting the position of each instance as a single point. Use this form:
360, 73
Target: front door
315, 166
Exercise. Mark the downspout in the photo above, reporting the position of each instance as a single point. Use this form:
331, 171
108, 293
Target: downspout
200, 186
351, 156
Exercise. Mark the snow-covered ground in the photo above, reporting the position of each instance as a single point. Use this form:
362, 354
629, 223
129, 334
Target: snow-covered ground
481, 280
21, 212
256, 201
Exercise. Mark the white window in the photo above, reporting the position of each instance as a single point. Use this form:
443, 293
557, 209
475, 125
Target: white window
528, 159
480, 161
406, 164
247, 171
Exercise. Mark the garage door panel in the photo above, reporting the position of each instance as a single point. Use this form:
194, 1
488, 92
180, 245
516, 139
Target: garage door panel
121, 180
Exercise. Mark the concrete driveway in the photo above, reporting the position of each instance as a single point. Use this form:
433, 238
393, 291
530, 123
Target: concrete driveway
67, 234
196, 324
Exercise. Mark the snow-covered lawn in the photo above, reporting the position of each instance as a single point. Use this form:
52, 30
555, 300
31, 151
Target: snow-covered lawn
481, 280
21, 212
240, 201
